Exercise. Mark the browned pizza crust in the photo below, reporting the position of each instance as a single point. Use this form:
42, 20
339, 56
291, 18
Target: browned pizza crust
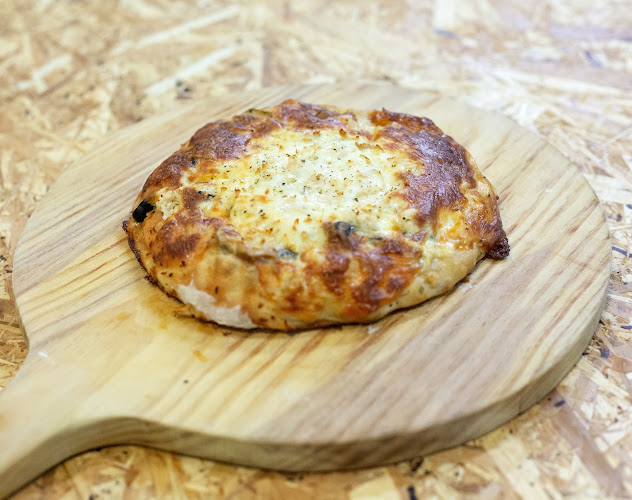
303, 215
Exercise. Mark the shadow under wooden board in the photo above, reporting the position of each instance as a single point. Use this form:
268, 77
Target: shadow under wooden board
112, 361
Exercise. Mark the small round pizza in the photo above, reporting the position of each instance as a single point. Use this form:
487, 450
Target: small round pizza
300, 216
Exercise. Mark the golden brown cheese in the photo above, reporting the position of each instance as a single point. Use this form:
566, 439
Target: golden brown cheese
303, 215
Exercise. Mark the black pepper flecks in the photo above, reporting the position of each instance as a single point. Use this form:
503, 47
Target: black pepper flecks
141, 211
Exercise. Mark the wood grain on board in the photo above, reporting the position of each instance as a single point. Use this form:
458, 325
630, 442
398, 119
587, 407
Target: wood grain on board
112, 361
74, 72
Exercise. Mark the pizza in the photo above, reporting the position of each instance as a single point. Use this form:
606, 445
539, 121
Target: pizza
299, 216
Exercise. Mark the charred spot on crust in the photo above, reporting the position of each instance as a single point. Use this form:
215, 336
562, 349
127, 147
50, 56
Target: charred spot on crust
393, 246
383, 117
192, 198
179, 237
333, 274
500, 250
131, 242
370, 293
141, 211
219, 141
396, 283
308, 116
151, 280
446, 167
182, 247
168, 172
493, 238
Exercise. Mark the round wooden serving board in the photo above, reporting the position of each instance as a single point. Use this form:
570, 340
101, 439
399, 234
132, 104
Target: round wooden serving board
111, 360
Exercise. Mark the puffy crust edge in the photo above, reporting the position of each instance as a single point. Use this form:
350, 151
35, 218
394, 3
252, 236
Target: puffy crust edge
272, 293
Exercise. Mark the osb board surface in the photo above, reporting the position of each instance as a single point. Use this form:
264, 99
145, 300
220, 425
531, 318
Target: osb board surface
72, 72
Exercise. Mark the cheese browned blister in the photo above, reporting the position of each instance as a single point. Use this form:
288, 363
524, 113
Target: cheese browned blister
302, 215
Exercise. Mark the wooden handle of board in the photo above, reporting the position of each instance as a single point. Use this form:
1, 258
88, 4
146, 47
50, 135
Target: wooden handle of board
38, 426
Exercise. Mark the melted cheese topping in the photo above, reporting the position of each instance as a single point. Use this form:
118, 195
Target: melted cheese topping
292, 182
